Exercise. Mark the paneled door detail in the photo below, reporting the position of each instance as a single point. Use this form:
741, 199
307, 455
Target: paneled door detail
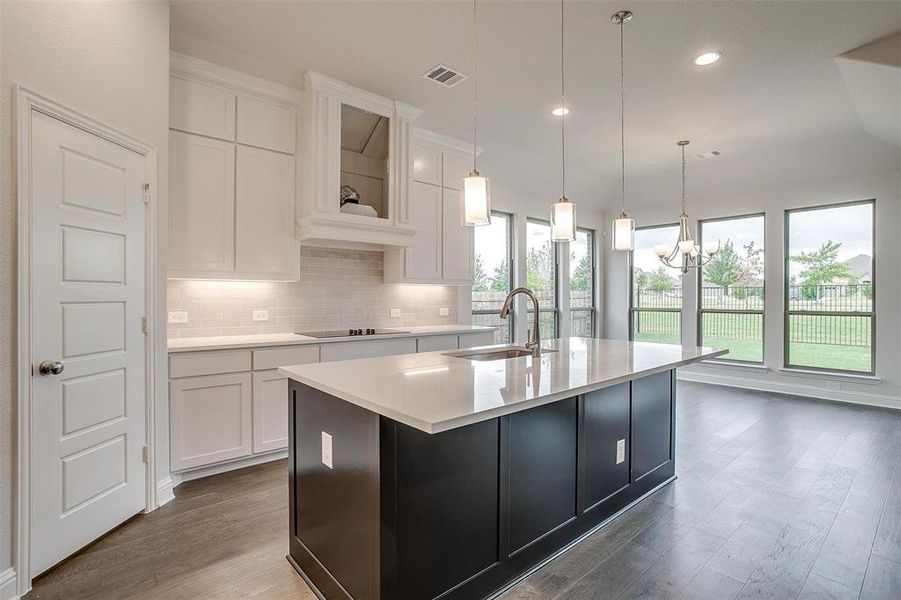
87, 342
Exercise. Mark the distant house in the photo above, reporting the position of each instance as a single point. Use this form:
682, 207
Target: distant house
861, 266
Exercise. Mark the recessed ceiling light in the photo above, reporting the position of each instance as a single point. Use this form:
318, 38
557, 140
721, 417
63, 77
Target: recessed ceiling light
708, 58
560, 111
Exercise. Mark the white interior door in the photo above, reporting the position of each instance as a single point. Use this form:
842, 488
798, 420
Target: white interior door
87, 304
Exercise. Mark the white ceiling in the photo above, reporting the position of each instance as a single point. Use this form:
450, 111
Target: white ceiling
776, 104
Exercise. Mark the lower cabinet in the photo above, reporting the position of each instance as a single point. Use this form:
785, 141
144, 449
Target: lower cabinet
270, 411
210, 419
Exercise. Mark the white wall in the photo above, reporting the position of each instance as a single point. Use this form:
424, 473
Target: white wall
885, 187
109, 61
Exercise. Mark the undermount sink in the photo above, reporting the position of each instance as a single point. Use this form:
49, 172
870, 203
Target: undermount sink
497, 353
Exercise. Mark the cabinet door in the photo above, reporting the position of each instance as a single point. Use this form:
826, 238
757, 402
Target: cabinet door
210, 419
456, 167
427, 165
266, 124
270, 411
201, 204
423, 259
367, 349
264, 220
457, 242
651, 423
197, 107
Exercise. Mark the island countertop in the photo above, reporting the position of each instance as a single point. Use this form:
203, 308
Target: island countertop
436, 391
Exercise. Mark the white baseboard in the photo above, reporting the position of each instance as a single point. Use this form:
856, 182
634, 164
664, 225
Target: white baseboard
9, 585
249, 461
781, 387
164, 493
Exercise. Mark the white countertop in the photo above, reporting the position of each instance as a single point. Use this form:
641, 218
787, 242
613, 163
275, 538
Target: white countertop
434, 392
292, 339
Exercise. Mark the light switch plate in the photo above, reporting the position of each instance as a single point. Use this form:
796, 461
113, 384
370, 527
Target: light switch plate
443, 311
261, 315
620, 451
327, 450
395, 313
178, 316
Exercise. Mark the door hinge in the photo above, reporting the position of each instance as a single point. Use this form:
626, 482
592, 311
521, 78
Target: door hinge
146, 193
144, 325
145, 454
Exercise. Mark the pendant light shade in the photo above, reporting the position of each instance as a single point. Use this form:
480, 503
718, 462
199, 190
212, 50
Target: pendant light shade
563, 221
623, 233
475, 195
475, 200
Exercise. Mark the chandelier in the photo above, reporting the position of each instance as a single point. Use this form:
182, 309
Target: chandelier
686, 254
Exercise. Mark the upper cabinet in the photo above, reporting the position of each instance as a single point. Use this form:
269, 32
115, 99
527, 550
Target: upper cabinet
357, 167
232, 168
442, 249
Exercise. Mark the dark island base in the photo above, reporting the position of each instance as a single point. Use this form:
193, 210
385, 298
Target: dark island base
464, 513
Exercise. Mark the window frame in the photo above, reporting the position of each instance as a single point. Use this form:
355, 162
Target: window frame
700, 282
632, 309
556, 307
592, 310
511, 318
786, 281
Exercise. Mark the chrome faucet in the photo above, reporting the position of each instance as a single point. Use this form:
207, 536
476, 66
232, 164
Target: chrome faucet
534, 343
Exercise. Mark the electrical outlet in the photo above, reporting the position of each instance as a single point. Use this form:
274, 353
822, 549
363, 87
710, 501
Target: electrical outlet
178, 316
261, 315
443, 311
395, 313
620, 451
327, 450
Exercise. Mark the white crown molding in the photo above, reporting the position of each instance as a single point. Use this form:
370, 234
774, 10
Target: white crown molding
319, 83
849, 396
183, 65
444, 141
8, 585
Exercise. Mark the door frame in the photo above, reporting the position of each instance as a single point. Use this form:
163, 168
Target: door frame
28, 102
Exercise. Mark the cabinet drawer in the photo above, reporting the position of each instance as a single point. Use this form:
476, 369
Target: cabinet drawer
273, 358
367, 349
200, 108
266, 125
434, 343
191, 364
479, 338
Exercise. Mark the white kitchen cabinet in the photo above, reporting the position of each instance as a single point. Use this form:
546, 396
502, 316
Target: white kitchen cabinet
264, 211
210, 419
427, 162
476, 339
457, 242
433, 343
456, 166
201, 205
423, 261
266, 124
270, 411
367, 349
202, 108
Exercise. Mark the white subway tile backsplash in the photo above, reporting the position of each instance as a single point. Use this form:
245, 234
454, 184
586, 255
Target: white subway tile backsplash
337, 289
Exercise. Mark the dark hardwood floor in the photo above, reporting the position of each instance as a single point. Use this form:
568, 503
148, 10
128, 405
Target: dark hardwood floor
778, 497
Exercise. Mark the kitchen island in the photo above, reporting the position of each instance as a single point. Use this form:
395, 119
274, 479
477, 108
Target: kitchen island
449, 475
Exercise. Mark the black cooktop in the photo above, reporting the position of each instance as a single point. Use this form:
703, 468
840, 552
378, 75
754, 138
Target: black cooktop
349, 332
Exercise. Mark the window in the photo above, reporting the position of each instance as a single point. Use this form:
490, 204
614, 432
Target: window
730, 296
655, 305
541, 275
581, 284
492, 275
830, 287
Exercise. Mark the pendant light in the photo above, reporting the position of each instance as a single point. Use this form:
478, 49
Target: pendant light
563, 212
623, 226
475, 198
685, 254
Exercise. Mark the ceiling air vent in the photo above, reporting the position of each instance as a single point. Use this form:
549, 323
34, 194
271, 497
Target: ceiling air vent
444, 75
711, 154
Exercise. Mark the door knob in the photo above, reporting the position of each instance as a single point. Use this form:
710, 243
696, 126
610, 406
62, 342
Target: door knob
51, 367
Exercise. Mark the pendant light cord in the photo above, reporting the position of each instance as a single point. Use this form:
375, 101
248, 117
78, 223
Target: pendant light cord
563, 109
683, 178
622, 113
475, 85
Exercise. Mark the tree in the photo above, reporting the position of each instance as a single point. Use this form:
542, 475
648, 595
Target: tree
479, 278
500, 280
660, 281
725, 268
641, 279
752, 265
581, 279
539, 266
820, 267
